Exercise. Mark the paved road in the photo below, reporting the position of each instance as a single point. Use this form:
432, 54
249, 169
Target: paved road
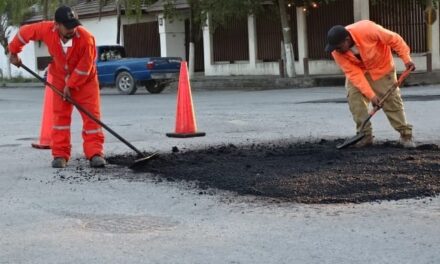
80, 215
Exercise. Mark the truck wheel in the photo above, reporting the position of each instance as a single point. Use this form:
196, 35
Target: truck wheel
155, 87
125, 83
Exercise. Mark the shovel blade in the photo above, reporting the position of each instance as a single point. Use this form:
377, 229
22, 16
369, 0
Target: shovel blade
142, 161
351, 141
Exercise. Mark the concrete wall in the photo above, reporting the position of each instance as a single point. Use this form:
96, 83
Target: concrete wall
250, 67
254, 67
104, 29
27, 56
172, 37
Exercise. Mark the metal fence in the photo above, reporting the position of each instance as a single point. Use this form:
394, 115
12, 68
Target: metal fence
269, 35
405, 17
321, 19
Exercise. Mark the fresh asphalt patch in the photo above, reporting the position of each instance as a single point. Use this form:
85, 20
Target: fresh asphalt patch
308, 172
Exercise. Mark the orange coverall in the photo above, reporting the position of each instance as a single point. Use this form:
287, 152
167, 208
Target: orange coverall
373, 42
75, 69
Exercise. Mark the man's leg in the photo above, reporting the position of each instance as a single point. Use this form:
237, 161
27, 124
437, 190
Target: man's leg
393, 106
358, 104
93, 136
61, 147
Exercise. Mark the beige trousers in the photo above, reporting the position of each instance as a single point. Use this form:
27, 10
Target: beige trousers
392, 107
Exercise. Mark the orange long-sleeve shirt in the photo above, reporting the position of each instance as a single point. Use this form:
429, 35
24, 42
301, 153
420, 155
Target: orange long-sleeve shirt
73, 69
374, 44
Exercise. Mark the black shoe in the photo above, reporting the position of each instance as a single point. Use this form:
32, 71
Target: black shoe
97, 162
59, 163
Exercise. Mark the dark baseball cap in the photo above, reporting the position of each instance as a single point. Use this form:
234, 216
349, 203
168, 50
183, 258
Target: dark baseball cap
65, 15
335, 36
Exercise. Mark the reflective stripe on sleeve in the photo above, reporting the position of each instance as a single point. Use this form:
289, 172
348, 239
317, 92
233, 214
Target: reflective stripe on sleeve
81, 72
21, 38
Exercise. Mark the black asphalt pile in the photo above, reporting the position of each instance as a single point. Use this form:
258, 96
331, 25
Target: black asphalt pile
303, 172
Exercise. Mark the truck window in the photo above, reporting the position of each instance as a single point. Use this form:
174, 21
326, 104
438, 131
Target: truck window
112, 53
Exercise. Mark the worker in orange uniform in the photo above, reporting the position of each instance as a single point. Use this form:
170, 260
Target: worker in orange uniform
73, 52
363, 52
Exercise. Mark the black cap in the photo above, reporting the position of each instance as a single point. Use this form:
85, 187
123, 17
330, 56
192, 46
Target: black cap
65, 15
335, 36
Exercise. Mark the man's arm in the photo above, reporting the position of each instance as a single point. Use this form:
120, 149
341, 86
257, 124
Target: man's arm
354, 74
397, 43
25, 34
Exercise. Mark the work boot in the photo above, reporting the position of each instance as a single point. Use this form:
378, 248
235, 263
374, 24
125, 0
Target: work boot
407, 141
364, 142
97, 162
59, 163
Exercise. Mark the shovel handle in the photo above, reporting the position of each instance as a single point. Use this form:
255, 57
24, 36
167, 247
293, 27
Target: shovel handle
376, 108
399, 82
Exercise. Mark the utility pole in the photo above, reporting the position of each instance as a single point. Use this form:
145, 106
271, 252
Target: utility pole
287, 37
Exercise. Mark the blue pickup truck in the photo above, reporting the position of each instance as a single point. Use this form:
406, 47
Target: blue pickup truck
114, 69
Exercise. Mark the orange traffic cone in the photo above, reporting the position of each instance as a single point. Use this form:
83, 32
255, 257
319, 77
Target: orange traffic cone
185, 118
46, 119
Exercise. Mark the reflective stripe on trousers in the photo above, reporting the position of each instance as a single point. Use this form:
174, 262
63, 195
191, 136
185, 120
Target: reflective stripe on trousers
93, 131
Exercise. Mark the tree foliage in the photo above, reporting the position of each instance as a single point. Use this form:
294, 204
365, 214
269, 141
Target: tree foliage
219, 11
12, 12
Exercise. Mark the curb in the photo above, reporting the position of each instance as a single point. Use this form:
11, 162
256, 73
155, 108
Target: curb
269, 82
21, 85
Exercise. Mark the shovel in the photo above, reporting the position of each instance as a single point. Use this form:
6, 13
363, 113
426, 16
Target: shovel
142, 157
376, 108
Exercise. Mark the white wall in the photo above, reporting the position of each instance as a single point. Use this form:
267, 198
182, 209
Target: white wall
172, 37
104, 29
27, 56
315, 66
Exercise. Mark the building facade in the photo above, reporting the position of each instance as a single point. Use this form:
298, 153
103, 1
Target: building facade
252, 46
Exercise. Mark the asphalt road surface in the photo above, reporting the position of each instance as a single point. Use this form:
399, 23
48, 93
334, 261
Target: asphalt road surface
83, 215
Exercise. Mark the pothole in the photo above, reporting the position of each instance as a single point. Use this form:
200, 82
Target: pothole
309, 172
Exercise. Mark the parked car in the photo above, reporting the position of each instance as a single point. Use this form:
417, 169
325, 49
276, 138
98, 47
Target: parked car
115, 69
